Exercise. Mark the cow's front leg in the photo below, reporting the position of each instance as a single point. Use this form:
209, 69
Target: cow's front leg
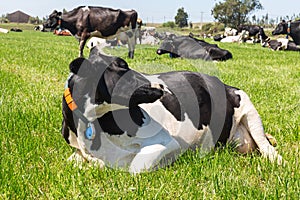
78, 159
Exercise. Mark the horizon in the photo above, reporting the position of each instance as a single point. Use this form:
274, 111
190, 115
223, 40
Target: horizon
150, 12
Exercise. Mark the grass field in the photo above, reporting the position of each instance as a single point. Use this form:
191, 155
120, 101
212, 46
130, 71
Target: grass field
33, 69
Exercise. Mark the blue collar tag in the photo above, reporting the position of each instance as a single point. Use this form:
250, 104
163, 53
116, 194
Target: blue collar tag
90, 132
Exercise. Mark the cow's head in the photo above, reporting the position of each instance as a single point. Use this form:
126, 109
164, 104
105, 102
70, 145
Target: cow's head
53, 20
168, 46
281, 28
101, 84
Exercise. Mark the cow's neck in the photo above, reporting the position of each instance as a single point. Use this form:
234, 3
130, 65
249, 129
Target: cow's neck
69, 22
295, 32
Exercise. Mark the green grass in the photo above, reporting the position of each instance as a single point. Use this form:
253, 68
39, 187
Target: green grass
33, 164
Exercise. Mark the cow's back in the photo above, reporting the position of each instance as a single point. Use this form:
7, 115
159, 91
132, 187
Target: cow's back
108, 21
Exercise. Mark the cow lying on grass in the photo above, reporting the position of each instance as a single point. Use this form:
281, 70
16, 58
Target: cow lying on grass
123, 119
192, 48
277, 44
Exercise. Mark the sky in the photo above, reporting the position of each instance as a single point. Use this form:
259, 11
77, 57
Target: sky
150, 11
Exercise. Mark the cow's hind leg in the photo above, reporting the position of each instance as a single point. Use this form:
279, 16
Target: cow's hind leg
81, 47
131, 42
82, 41
246, 115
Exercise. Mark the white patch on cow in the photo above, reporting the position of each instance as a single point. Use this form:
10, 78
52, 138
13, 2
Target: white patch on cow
94, 111
284, 43
230, 31
236, 38
247, 125
155, 80
86, 8
96, 41
183, 131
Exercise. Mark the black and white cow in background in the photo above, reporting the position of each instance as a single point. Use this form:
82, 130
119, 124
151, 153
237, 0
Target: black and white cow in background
124, 119
290, 29
277, 44
253, 31
87, 21
40, 28
193, 48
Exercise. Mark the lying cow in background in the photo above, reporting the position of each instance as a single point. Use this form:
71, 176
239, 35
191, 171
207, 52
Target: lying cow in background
190, 47
16, 30
253, 30
40, 28
88, 21
277, 44
290, 29
282, 44
230, 32
121, 118
241, 37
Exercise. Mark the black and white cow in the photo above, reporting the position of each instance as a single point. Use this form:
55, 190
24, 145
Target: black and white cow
87, 21
290, 29
124, 119
277, 44
252, 29
193, 48
282, 44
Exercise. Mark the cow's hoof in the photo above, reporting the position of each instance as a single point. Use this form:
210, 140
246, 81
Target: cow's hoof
131, 54
271, 139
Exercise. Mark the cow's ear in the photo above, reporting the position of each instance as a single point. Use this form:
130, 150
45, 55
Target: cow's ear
81, 66
59, 13
283, 21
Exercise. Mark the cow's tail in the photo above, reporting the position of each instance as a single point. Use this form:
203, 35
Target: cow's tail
133, 20
250, 118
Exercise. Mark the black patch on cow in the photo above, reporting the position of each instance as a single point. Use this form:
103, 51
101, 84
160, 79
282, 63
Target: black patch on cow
119, 121
252, 29
185, 86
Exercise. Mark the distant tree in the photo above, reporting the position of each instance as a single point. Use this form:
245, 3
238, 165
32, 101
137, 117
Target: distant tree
64, 11
181, 19
35, 20
253, 19
4, 19
235, 12
267, 18
169, 24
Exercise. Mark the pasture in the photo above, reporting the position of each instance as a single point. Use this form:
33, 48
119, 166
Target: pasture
33, 70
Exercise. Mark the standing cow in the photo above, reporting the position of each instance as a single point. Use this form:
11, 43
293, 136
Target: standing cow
84, 22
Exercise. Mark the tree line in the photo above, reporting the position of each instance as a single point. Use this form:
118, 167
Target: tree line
233, 13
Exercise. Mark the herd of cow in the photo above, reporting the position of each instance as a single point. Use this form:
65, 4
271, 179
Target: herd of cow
256, 34
121, 118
